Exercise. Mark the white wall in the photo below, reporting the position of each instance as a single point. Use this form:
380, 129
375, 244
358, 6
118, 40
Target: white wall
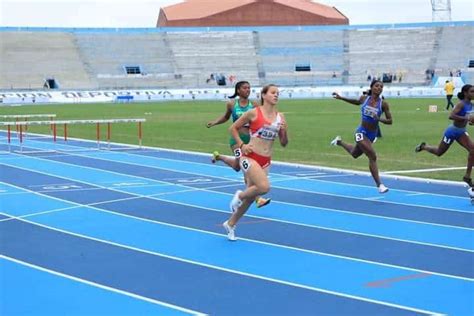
92, 96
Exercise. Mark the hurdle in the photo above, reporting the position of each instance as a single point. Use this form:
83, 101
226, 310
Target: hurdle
20, 125
25, 117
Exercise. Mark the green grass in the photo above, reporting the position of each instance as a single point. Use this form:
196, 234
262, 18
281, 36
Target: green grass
312, 125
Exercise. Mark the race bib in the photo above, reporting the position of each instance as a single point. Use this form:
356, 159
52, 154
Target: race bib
237, 152
447, 141
245, 164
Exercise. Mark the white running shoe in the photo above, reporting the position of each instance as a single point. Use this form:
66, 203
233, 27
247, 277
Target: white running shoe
382, 188
230, 231
335, 141
235, 203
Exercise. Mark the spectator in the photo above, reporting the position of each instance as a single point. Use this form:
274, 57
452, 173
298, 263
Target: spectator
449, 89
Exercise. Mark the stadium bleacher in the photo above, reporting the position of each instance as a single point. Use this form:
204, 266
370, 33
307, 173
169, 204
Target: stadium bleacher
186, 57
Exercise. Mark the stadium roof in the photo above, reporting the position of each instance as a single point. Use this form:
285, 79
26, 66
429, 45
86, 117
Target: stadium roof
201, 9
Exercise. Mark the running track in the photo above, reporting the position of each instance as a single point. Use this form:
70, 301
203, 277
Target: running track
138, 232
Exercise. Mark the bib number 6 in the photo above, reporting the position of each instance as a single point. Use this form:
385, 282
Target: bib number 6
245, 164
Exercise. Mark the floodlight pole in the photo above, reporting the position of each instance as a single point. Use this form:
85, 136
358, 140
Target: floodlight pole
440, 10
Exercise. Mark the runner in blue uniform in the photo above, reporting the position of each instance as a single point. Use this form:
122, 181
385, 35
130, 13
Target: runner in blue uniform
372, 108
461, 116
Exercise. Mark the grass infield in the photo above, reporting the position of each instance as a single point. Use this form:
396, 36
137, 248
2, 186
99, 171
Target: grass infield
312, 125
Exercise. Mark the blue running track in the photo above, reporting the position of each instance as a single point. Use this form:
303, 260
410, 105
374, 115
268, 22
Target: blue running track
138, 232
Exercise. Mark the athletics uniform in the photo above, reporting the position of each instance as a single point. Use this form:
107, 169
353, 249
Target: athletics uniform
453, 133
368, 113
237, 112
261, 128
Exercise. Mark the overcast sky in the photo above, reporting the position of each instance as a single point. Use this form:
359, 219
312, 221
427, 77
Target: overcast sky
144, 13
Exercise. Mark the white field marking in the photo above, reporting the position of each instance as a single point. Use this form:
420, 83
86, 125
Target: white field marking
11, 217
229, 182
374, 198
385, 201
366, 173
93, 206
209, 189
281, 180
233, 271
303, 172
101, 286
416, 194
152, 182
285, 188
290, 177
311, 176
385, 158
12, 193
276, 220
135, 196
190, 189
51, 184
373, 187
332, 169
424, 170
70, 190
325, 176
337, 170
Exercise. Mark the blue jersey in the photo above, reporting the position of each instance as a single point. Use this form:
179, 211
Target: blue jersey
466, 109
453, 133
369, 112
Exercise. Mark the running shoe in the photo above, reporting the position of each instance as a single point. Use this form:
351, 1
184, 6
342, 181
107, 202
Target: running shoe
261, 201
230, 231
215, 156
420, 147
382, 188
336, 141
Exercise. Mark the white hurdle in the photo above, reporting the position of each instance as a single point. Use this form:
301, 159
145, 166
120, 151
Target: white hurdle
25, 117
23, 124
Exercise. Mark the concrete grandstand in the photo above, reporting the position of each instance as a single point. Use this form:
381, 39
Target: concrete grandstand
195, 57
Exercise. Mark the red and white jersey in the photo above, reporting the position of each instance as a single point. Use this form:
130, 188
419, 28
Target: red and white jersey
261, 128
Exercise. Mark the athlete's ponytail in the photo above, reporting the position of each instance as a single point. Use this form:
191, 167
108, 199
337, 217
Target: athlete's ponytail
464, 90
237, 87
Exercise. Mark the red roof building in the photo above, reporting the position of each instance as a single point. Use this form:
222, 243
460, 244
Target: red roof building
192, 13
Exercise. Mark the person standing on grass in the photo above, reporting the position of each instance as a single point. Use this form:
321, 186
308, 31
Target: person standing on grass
449, 89
461, 116
235, 108
265, 124
372, 106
